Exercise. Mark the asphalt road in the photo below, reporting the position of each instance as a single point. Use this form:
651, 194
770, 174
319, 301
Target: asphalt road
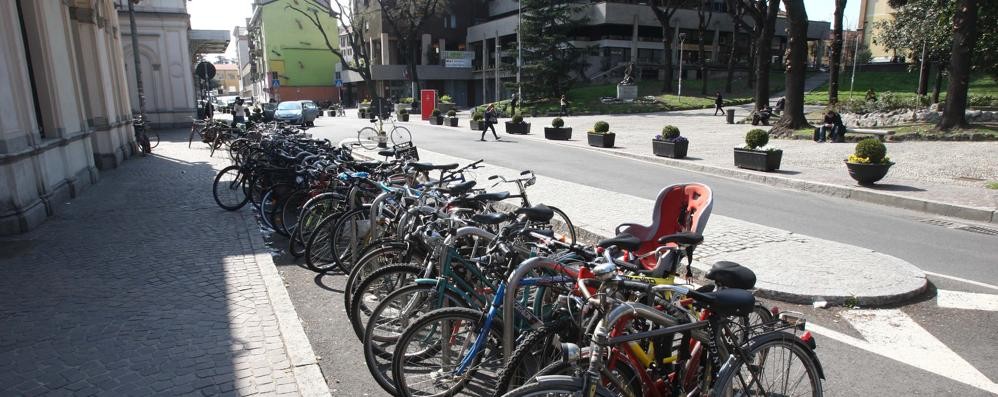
850, 370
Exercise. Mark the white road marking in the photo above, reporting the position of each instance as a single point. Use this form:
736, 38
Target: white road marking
892, 334
963, 280
966, 300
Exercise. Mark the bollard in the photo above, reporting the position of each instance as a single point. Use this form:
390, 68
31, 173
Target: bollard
731, 116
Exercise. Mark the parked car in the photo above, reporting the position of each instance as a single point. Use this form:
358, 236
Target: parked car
268, 111
297, 112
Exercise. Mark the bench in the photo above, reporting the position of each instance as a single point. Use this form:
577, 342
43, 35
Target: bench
880, 134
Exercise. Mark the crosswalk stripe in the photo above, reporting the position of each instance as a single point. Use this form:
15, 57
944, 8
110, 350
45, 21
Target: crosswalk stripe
962, 280
966, 300
892, 334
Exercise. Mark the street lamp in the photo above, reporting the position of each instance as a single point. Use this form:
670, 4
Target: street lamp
519, 49
682, 39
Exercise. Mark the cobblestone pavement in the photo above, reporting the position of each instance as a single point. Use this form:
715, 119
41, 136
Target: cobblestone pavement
143, 286
950, 172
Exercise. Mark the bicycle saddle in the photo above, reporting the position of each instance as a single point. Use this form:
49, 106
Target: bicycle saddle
497, 196
386, 153
537, 213
726, 302
624, 240
423, 167
684, 238
489, 219
732, 275
458, 189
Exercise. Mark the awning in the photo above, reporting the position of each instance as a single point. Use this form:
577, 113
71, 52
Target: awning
208, 41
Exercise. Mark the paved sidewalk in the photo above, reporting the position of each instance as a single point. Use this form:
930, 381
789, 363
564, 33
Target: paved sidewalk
945, 178
144, 286
790, 267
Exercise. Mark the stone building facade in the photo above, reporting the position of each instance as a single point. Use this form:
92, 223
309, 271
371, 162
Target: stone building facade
66, 111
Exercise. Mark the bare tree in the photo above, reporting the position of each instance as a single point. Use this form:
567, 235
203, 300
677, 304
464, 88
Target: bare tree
763, 15
836, 56
664, 10
407, 18
736, 15
796, 65
356, 25
704, 16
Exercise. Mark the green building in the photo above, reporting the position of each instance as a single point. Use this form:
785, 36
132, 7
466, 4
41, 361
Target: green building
289, 59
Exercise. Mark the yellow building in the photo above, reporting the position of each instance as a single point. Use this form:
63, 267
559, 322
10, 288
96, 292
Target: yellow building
227, 75
871, 12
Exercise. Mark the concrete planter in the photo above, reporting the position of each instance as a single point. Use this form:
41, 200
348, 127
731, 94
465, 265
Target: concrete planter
517, 128
558, 133
452, 121
476, 125
670, 149
601, 140
445, 107
759, 160
868, 174
403, 116
437, 120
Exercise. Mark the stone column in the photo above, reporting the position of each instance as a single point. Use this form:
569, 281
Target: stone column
425, 45
634, 40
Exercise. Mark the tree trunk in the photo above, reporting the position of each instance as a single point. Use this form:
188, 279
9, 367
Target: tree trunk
939, 82
751, 64
796, 65
411, 42
964, 40
667, 47
764, 49
923, 73
731, 61
836, 56
702, 66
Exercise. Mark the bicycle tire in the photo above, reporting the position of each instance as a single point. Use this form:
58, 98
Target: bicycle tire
378, 349
317, 256
400, 135
349, 236
375, 259
367, 138
555, 385
374, 289
467, 319
568, 230
292, 208
765, 344
235, 185
518, 361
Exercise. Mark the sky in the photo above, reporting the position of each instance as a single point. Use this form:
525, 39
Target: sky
227, 14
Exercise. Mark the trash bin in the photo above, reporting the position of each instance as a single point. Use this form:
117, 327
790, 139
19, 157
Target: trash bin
731, 116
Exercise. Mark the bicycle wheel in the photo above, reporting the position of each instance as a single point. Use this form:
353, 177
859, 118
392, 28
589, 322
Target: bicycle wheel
401, 135
349, 237
367, 138
374, 289
392, 316
378, 258
429, 352
556, 386
153, 139
318, 256
563, 226
536, 351
271, 205
291, 209
774, 364
228, 189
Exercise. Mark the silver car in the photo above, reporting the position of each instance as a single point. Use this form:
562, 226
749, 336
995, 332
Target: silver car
297, 112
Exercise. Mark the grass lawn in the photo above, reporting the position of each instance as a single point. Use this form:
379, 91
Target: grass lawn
586, 99
901, 84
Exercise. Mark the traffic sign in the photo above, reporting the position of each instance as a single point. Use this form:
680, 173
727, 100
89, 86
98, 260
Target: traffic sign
339, 83
276, 83
205, 70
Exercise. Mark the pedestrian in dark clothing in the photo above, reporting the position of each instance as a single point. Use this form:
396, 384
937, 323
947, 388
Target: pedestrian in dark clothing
512, 104
564, 105
491, 118
832, 128
717, 103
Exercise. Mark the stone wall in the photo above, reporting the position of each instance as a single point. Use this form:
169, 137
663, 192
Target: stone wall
904, 117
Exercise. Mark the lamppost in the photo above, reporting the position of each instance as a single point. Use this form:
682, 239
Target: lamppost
682, 39
519, 49
855, 53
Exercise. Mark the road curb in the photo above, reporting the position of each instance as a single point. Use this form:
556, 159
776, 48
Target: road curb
304, 365
852, 193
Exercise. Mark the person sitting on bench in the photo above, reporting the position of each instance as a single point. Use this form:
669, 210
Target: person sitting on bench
832, 128
762, 116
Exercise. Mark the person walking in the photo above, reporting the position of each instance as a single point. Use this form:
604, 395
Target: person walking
718, 102
512, 104
491, 118
564, 105
238, 112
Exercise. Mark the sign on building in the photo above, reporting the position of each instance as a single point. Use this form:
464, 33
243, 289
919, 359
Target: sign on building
457, 59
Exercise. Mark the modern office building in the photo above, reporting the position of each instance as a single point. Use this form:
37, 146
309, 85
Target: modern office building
621, 32
288, 56
65, 100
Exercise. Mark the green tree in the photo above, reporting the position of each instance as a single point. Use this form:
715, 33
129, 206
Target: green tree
762, 14
664, 10
546, 27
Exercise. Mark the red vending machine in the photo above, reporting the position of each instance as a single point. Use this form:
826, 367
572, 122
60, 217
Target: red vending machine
427, 102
